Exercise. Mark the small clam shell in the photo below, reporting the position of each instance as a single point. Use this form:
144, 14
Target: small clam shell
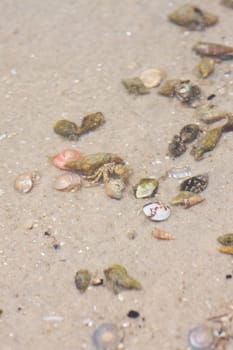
25, 182
114, 188
146, 188
201, 338
107, 337
157, 211
65, 156
163, 235
151, 78
68, 182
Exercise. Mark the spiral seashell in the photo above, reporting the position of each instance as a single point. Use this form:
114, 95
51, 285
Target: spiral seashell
201, 338
25, 182
68, 182
107, 337
160, 234
114, 188
65, 156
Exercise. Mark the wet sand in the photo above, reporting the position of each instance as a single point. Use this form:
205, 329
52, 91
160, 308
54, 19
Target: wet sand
65, 60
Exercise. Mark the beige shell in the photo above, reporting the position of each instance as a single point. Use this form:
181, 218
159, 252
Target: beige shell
25, 182
151, 77
68, 182
160, 234
114, 188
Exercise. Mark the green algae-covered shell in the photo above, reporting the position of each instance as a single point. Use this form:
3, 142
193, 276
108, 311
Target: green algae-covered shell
192, 17
135, 86
206, 66
180, 197
168, 87
146, 188
189, 132
207, 142
118, 279
66, 129
82, 280
226, 239
91, 122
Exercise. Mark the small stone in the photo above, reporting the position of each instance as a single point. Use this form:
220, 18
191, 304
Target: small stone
133, 314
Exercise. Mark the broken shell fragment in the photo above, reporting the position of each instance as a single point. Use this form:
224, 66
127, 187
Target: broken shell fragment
25, 182
195, 184
192, 17
208, 113
179, 173
206, 143
186, 91
201, 338
206, 66
157, 211
60, 159
146, 188
67, 129
151, 78
135, 86
189, 132
107, 337
223, 52
163, 235
228, 3
168, 88
114, 188
226, 239
177, 146
226, 250
68, 182
82, 280
118, 279
91, 122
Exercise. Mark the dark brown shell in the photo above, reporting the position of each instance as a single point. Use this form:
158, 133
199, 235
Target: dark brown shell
177, 146
195, 184
189, 132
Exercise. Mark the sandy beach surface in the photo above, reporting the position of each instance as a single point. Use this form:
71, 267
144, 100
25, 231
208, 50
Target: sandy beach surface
64, 60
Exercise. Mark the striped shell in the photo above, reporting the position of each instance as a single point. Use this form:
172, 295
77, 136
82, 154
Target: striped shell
68, 182
65, 156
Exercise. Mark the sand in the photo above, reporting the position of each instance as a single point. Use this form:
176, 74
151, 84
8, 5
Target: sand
65, 59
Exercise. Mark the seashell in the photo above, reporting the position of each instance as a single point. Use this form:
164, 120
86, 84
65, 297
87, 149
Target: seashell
195, 184
180, 197
91, 122
193, 200
107, 337
189, 132
168, 88
151, 78
207, 142
67, 129
201, 338
114, 188
163, 235
223, 52
157, 211
69, 154
206, 66
25, 182
209, 114
118, 279
186, 92
179, 173
135, 86
226, 239
226, 250
177, 146
68, 182
82, 280
228, 3
192, 17
146, 188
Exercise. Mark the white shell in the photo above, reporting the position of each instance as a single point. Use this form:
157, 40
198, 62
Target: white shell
68, 182
157, 211
107, 337
25, 182
179, 173
201, 338
114, 188
151, 78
